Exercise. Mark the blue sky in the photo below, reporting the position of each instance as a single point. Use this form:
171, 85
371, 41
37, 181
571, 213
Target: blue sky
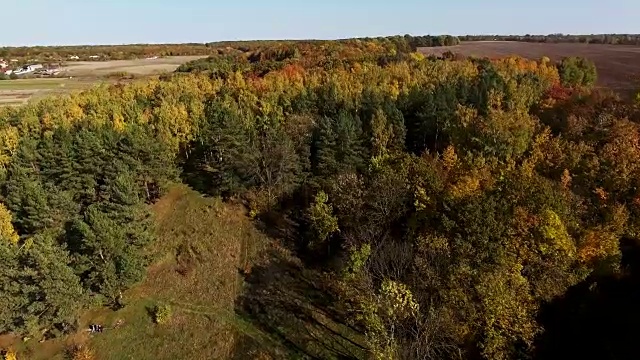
50, 22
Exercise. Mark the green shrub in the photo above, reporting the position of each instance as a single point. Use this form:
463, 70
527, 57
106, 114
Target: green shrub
81, 352
162, 313
357, 260
120, 75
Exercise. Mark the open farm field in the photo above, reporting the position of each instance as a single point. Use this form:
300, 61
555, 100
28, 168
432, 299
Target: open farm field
81, 75
618, 65
136, 67
18, 92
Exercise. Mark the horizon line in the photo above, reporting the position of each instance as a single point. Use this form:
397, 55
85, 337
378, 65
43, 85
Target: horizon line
294, 39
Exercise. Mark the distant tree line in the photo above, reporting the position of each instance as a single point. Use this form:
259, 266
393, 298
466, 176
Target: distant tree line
613, 39
409, 43
134, 51
104, 52
403, 43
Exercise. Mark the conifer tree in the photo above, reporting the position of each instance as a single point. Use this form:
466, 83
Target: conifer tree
324, 148
107, 243
225, 148
38, 287
350, 152
339, 145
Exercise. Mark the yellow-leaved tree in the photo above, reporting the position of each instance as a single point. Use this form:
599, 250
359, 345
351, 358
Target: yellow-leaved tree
382, 316
10, 355
7, 232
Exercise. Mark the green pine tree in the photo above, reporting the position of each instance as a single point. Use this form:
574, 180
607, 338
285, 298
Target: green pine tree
351, 154
324, 148
38, 287
106, 244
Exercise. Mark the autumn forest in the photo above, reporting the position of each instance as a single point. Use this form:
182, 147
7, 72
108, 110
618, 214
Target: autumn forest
445, 207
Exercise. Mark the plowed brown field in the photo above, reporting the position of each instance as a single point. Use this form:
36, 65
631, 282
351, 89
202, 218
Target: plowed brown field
618, 65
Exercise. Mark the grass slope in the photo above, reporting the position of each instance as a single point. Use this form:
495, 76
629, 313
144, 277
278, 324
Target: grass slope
202, 243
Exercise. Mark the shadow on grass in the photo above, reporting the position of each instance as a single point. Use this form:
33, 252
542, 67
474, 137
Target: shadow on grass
197, 178
151, 311
288, 303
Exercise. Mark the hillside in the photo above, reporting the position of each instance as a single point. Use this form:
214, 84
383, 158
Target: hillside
211, 267
202, 246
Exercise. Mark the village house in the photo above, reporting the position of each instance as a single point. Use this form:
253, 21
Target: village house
28, 69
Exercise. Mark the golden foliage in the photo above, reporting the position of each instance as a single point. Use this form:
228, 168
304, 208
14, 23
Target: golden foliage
509, 306
381, 133
321, 217
397, 300
7, 232
9, 139
598, 245
539, 152
394, 302
467, 179
422, 200
10, 355
118, 122
557, 241
162, 313
565, 180
449, 158
601, 193
467, 185
82, 352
